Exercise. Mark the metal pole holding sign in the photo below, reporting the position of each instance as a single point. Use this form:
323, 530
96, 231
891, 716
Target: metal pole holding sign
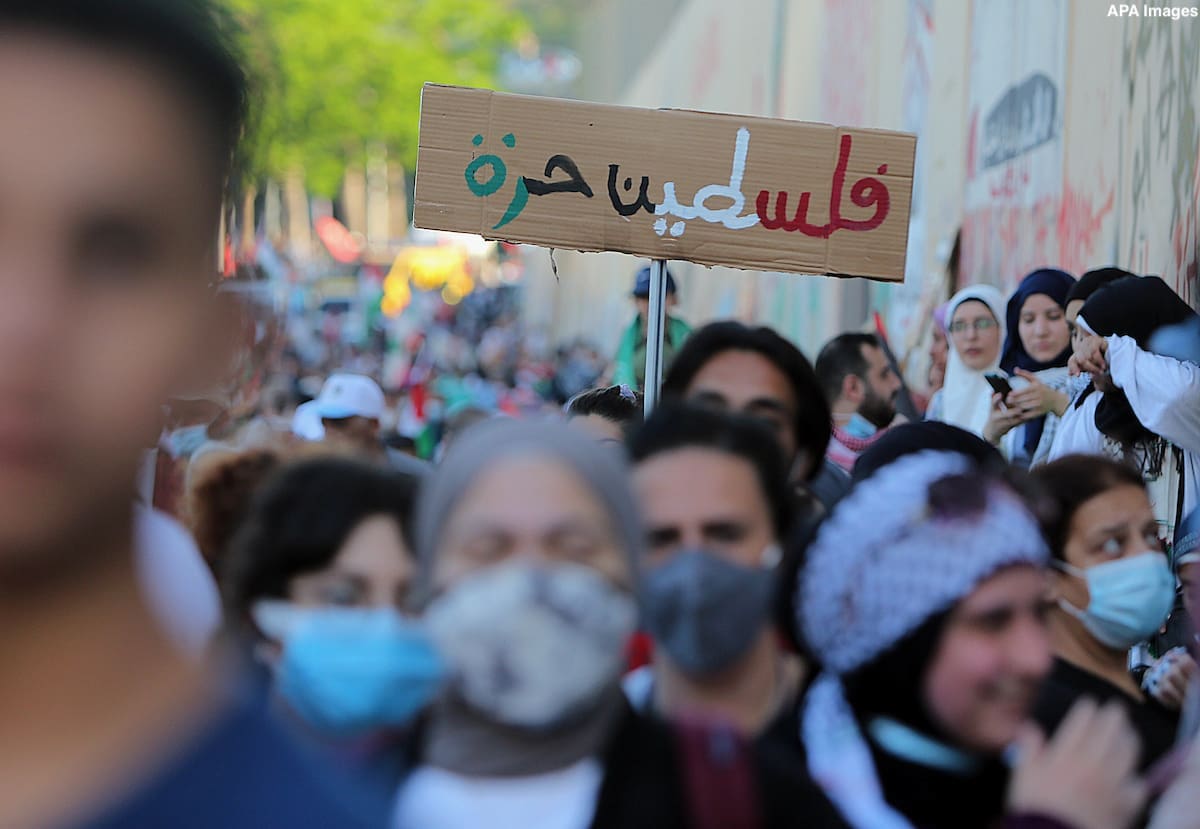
655, 330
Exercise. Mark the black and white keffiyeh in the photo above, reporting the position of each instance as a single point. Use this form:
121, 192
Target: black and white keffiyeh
881, 565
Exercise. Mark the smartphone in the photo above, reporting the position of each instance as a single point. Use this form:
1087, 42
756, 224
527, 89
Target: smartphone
999, 383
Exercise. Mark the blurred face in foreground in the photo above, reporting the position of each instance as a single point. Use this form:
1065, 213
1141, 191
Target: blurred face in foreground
529, 508
994, 653
108, 214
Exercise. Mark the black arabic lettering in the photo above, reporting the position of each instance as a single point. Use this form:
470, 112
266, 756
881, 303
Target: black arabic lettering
574, 184
641, 203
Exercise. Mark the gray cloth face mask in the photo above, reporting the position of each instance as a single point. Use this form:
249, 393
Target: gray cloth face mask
704, 611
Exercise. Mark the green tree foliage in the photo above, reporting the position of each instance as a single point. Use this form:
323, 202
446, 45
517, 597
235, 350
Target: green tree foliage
336, 76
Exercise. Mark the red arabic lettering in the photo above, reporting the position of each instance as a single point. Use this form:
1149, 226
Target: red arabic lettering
866, 192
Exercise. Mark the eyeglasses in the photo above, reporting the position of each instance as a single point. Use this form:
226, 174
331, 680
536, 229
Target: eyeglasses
979, 326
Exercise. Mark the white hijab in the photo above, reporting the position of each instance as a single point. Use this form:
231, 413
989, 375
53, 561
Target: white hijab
966, 395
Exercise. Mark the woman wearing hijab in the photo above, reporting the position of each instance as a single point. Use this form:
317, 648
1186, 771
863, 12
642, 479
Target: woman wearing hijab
1088, 284
928, 623
976, 326
1037, 350
1141, 407
528, 538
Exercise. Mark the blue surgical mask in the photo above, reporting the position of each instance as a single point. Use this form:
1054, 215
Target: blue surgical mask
1130, 598
183, 442
351, 670
705, 611
859, 427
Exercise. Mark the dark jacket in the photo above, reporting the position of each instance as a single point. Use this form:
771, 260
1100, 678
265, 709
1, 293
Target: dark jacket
646, 782
1155, 725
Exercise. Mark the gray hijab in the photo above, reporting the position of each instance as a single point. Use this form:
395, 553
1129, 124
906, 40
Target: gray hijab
601, 469
460, 738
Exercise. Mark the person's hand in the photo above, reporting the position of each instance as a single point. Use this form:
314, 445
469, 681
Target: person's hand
1167, 680
1176, 809
1003, 419
1083, 777
1091, 354
1037, 397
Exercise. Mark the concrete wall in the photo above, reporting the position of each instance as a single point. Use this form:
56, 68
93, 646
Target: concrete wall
1050, 133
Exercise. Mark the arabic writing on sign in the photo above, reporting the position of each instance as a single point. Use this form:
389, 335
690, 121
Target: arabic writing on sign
866, 192
526, 186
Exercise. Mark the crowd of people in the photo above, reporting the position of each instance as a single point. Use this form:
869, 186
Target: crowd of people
768, 602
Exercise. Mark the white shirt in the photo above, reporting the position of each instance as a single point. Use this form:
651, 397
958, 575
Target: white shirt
1164, 393
435, 798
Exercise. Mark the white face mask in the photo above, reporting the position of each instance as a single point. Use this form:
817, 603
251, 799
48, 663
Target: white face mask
532, 646
1130, 598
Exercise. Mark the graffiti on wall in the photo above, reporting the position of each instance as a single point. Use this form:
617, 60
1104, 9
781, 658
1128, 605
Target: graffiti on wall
908, 306
1014, 140
1161, 69
1025, 118
847, 72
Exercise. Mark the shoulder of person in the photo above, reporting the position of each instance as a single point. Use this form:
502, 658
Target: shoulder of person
643, 782
1055, 697
785, 789
243, 772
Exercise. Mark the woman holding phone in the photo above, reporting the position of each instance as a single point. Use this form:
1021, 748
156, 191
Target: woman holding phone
1024, 418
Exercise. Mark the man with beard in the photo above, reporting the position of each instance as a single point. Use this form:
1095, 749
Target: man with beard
861, 387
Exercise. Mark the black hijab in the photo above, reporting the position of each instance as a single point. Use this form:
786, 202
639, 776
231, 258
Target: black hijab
891, 686
1057, 285
1093, 281
1053, 283
1134, 307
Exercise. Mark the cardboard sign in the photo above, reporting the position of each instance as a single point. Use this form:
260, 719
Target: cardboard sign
741, 191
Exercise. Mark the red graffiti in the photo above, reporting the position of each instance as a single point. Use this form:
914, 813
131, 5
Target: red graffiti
1002, 243
846, 72
1079, 226
866, 192
1185, 240
1012, 184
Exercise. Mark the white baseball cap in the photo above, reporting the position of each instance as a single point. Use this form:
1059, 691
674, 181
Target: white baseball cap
350, 395
307, 423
